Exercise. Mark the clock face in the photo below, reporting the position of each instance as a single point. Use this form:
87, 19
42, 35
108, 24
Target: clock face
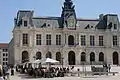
71, 22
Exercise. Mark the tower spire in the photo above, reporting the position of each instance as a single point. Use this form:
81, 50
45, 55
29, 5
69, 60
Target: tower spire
68, 15
68, 5
67, 0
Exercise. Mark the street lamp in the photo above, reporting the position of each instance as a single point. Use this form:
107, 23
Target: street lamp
34, 60
62, 61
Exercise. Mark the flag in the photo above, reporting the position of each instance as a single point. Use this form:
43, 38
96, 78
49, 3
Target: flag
76, 44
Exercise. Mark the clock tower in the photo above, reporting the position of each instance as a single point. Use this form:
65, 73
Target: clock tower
68, 15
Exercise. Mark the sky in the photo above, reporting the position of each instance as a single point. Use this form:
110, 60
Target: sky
84, 9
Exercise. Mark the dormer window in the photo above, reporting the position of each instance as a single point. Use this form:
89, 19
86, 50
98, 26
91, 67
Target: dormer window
25, 23
91, 26
88, 26
115, 26
110, 25
48, 24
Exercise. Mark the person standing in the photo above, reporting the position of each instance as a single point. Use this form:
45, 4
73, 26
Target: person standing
12, 71
109, 67
1, 73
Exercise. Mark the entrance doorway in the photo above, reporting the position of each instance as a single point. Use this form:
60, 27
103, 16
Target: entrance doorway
38, 55
83, 56
115, 58
71, 58
25, 56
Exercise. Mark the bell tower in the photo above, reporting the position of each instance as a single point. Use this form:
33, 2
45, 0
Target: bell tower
68, 15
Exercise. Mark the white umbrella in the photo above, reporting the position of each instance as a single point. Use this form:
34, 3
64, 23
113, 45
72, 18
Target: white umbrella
37, 61
48, 60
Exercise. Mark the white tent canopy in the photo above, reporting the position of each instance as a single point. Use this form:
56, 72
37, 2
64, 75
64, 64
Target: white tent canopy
37, 61
46, 60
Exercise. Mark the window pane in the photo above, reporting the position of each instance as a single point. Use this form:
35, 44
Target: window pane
100, 40
25, 39
115, 26
38, 39
25, 23
115, 41
83, 40
48, 39
92, 40
3, 54
58, 39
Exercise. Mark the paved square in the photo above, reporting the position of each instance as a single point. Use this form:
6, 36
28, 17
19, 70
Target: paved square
19, 76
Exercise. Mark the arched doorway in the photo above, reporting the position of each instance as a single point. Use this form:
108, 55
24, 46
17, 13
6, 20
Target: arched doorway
70, 40
38, 55
92, 56
71, 58
25, 57
58, 56
115, 58
83, 56
101, 56
48, 55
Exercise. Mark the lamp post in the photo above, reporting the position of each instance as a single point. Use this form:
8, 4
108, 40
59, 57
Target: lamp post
34, 60
62, 61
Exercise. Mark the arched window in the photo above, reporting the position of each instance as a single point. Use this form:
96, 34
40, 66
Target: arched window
70, 40
71, 58
92, 56
25, 57
38, 55
58, 56
115, 58
101, 56
83, 56
48, 55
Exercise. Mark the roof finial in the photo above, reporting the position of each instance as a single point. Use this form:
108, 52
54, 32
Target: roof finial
67, 0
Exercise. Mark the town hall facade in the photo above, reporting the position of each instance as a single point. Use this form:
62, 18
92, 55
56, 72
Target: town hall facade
68, 39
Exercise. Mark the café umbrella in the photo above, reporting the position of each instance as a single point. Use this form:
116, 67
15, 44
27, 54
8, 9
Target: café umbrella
48, 60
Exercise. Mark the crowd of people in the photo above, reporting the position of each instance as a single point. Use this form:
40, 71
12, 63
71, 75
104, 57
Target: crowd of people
42, 71
4, 72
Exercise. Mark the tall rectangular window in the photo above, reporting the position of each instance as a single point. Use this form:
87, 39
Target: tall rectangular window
92, 40
115, 26
38, 39
58, 39
115, 41
100, 40
5, 50
25, 39
48, 39
25, 23
83, 40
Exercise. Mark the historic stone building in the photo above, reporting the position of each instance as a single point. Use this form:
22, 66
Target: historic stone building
69, 39
4, 54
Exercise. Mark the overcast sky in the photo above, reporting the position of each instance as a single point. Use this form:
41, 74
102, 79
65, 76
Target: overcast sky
84, 9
